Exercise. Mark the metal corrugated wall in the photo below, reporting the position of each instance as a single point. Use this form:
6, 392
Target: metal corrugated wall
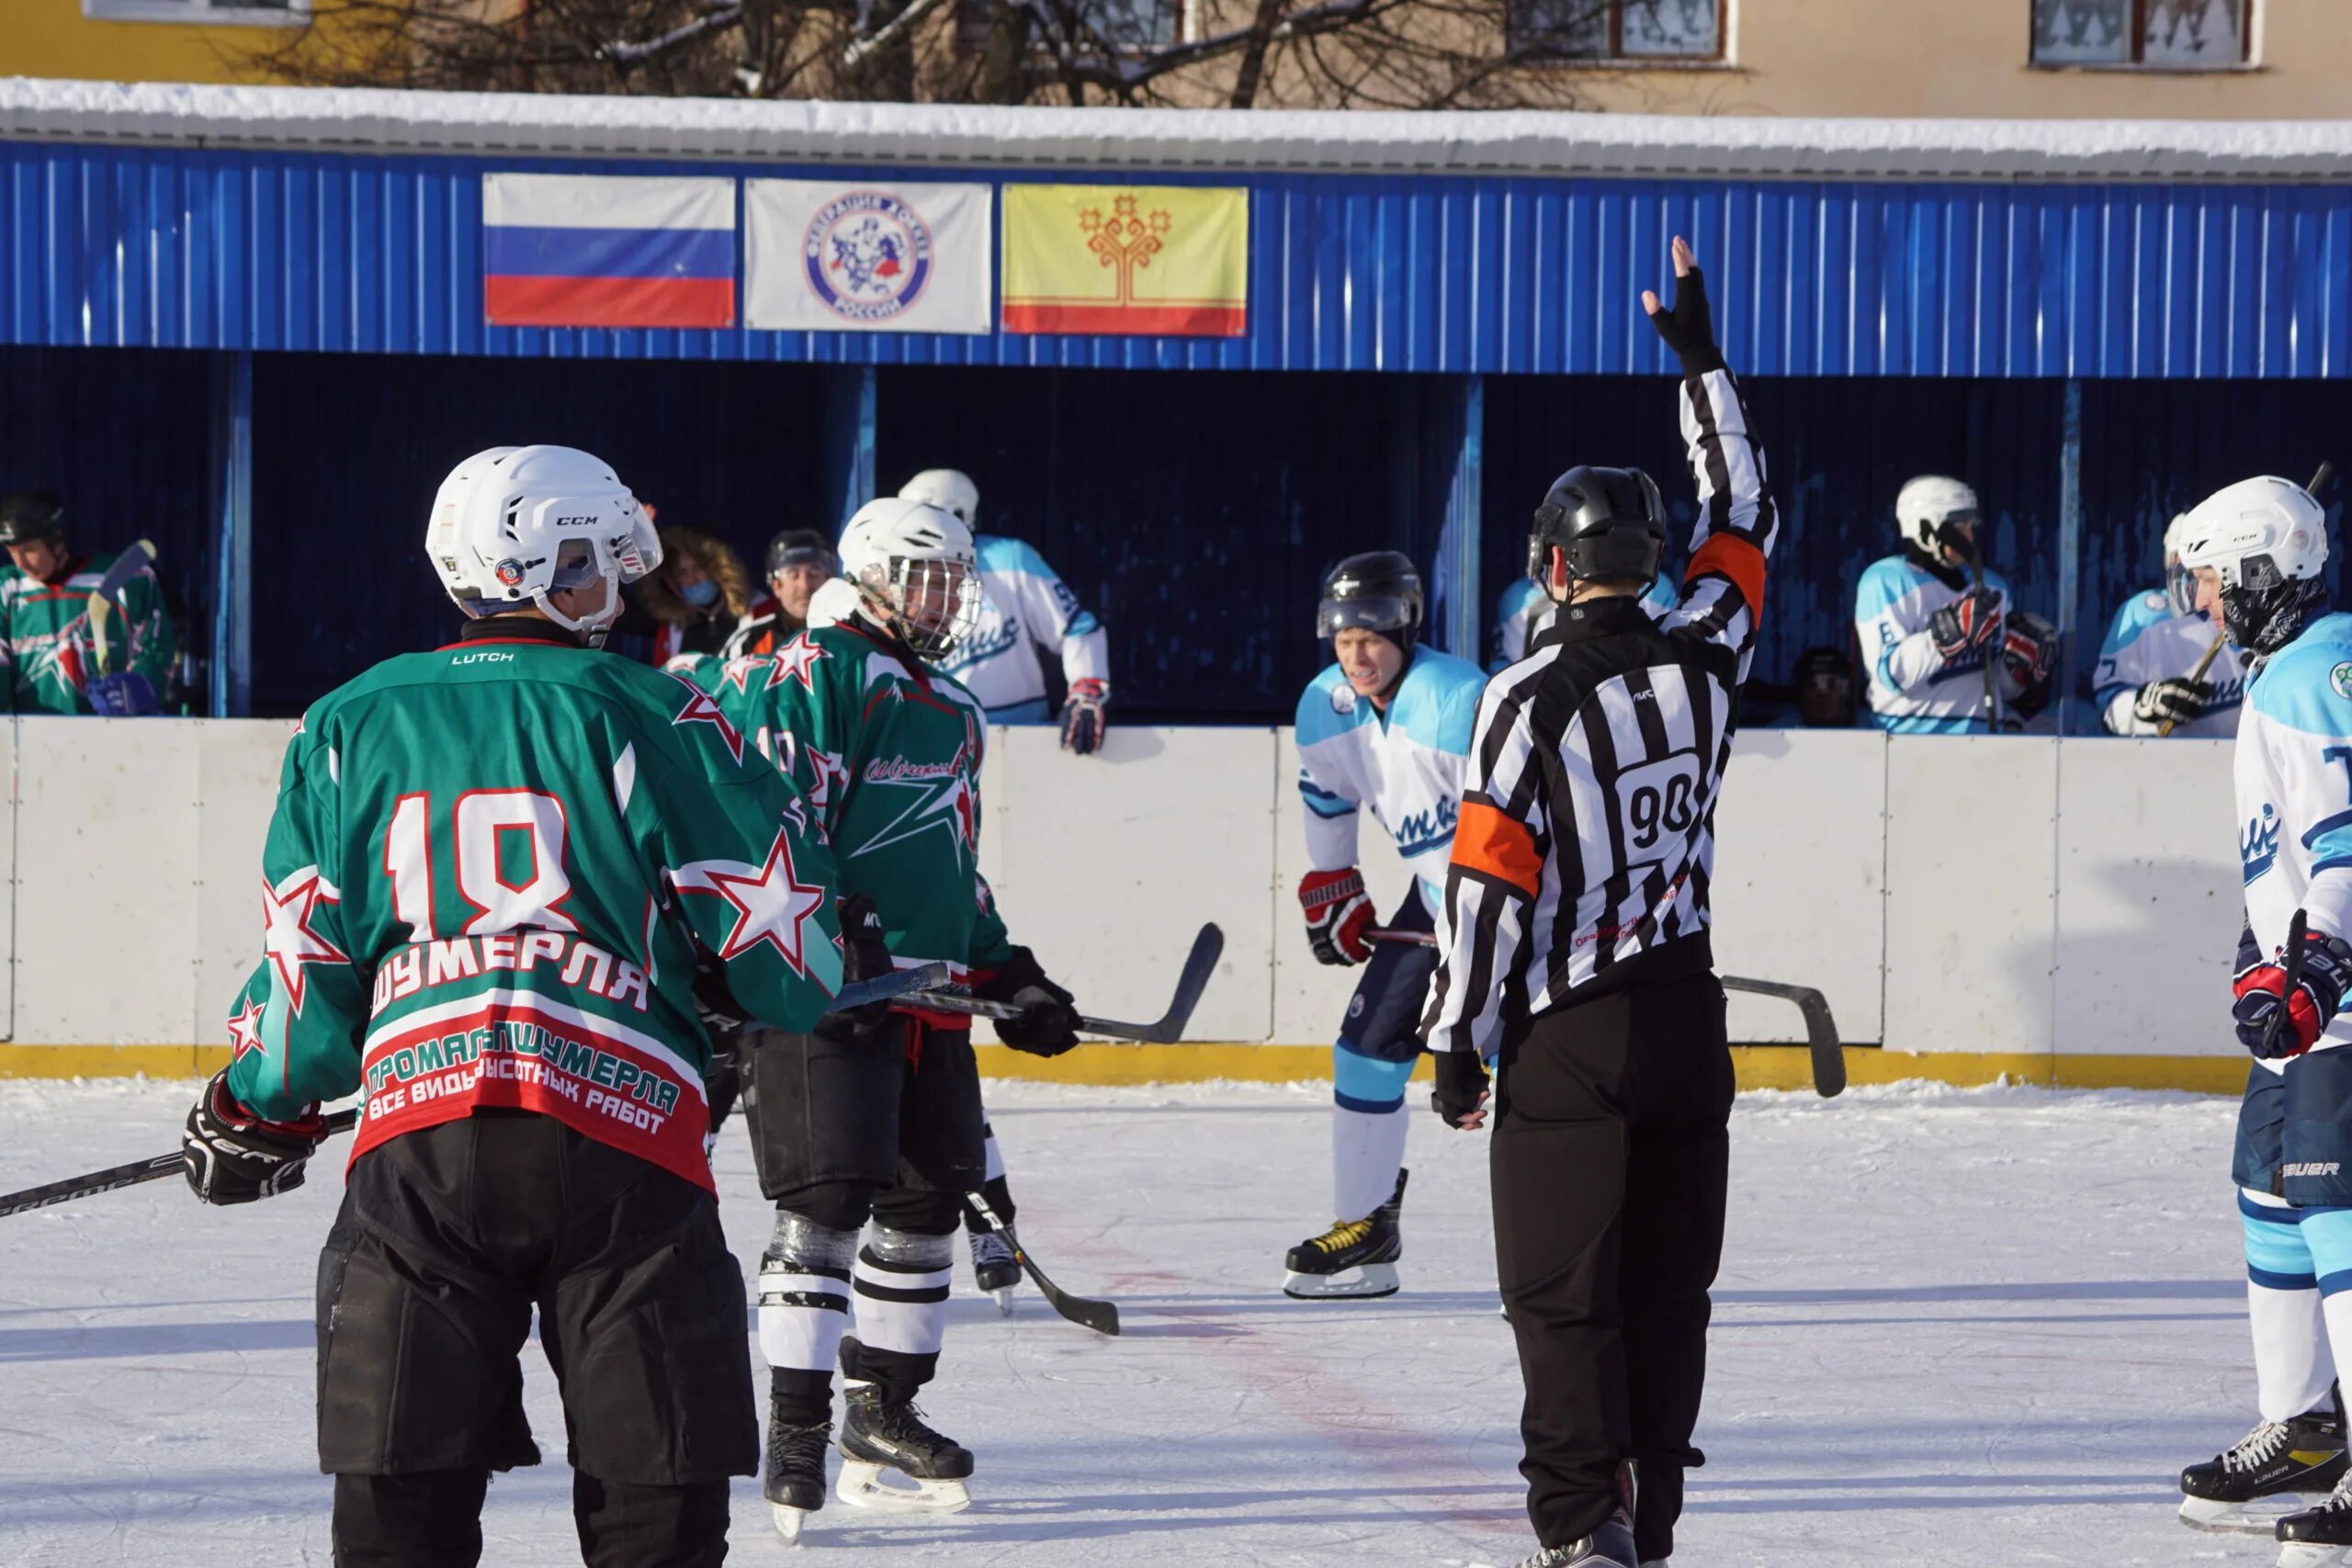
169, 248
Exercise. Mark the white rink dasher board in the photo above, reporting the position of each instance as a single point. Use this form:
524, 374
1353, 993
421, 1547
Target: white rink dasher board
1947, 894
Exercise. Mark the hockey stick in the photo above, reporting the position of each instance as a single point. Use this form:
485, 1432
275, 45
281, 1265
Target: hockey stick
2293, 966
1820, 1027
158, 1167
1085, 1311
107, 596
1207, 948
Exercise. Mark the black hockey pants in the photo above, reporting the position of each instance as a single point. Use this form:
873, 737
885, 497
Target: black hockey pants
447, 1239
1610, 1160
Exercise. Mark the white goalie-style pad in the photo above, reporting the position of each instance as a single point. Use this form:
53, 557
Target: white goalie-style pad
1366, 1284
860, 1485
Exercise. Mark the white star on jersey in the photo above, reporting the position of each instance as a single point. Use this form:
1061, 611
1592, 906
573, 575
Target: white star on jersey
287, 936
245, 1030
791, 662
772, 904
700, 709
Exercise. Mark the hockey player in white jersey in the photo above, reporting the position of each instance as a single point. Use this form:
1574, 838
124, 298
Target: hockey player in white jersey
1523, 612
1024, 608
1925, 628
2149, 667
2255, 550
1385, 729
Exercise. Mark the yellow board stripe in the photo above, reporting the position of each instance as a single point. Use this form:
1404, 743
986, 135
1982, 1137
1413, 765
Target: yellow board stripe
1759, 1067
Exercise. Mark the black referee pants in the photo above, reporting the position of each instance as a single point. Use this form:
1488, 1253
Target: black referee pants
1610, 1155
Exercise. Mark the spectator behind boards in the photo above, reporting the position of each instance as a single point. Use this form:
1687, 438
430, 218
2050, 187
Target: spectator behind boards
1522, 613
1927, 626
1025, 607
800, 561
2154, 670
694, 601
45, 633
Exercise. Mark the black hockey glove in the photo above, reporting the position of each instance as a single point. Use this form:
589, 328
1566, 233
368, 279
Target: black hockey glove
1461, 1086
1970, 621
2311, 1004
231, 1156
2173, 701
1688, 326
1047, 1024
864, 956
2028, 648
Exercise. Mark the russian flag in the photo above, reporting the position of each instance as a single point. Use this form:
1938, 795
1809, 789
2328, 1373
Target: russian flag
607, 251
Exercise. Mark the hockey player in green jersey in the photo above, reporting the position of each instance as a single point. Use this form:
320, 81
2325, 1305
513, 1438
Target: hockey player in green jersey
888, 753
490, 874
48, 660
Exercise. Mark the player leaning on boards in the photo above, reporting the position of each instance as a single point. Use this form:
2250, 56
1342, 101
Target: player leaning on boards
1588, 827
2255, 550
49, 657
889, 752
2163, 668
1929, 617
1025, 607
1387, 727
488, 873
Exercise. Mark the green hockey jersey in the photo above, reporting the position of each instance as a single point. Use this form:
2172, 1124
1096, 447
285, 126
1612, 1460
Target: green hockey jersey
888, 751
45, 636
485, 883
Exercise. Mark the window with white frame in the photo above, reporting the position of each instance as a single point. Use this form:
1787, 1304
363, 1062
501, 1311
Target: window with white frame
212, 12
2154, 35
1634, 30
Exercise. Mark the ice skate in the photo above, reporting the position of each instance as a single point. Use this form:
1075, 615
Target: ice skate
792, 1474
1611, 1546
1354, 1260
878, 1435
994, 1270
2318, 1538
2249, 1487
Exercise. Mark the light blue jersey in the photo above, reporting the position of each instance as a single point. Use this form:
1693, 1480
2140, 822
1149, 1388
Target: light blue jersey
1525, 609
1024, 608
1407, 766
1914, 690
2151, 641
2293, 773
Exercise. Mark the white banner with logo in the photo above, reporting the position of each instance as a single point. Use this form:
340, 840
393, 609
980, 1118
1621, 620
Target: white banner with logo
827, 256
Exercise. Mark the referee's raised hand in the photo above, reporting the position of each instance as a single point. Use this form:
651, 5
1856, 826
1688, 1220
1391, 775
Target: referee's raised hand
1687, 325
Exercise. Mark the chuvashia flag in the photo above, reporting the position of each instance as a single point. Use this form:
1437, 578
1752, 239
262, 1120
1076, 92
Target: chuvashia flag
607, 251
1170, 260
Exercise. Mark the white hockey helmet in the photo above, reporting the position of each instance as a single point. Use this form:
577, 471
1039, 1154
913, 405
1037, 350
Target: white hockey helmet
1926, 504
914, 566
515, 525
2180, 586
950, 489
2266, 540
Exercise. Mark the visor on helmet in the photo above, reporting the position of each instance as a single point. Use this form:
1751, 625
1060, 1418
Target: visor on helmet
1383, 615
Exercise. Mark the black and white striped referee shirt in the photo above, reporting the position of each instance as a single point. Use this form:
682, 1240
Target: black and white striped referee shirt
1587, 833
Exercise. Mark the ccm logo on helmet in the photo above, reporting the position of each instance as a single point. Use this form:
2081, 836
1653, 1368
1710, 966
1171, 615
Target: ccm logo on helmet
562, 522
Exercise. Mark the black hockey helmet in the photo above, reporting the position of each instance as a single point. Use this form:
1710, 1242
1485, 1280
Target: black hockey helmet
29, 516
801, 547
1609, 522
1377, 591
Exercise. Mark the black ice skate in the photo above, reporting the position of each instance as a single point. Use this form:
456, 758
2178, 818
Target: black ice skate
1353, 1259
994, 1270
1609, 1546
2271, 1465
2318, 1538
878, 1435
792, 1477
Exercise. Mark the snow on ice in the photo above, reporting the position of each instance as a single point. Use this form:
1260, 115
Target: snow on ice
1953, 1327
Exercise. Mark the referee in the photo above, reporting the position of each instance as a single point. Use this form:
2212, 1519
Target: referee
1573, 946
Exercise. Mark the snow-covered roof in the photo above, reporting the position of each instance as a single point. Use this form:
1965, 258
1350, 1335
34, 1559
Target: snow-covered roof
1514, 141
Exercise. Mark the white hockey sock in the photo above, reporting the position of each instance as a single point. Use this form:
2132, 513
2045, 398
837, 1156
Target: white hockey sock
901, 1283
804, 1293
996, 1159
2292, 1368
1367, 1147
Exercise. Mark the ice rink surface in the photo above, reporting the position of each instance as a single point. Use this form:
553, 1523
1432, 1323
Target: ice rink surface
1953, 1327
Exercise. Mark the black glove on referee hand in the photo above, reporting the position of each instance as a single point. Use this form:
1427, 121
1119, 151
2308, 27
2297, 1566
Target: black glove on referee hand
1460, 1097
1688, 326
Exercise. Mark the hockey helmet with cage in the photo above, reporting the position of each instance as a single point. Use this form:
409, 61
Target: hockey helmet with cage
1924, 504
950, 489
1379, 590
31, 517
1607, 523
2266, 540
914, 568
515, 525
